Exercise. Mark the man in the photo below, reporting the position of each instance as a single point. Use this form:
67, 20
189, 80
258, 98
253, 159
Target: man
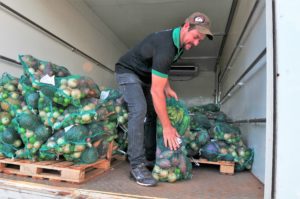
142, 75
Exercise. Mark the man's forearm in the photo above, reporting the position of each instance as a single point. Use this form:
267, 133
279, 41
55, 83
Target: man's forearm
159, 102
167, 85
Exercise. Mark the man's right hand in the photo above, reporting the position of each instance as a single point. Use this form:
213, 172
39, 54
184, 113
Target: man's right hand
171, 138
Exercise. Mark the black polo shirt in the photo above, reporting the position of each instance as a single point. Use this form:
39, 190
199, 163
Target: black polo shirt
153, 55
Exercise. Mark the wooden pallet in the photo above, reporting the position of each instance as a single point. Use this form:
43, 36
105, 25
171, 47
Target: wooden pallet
56, 170
226, 167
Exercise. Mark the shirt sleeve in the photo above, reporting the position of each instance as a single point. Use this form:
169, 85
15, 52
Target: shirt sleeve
161, 62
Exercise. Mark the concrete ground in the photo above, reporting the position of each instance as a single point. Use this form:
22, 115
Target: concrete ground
207, 183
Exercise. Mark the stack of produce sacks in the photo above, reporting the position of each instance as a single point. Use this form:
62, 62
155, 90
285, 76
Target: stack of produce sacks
50, 114
173, 165
221, 140
11, 103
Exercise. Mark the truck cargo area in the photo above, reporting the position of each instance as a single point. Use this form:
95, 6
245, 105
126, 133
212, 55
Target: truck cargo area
207, 182
248, 69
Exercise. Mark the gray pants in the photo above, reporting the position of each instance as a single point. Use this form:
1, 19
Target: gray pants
141, 118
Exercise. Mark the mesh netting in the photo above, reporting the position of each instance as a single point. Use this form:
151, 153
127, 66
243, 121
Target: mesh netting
171, 166
10, 98
195, 140
35, 69
79, 143
33, 134
199, 121
10, 141
226, 132
204, 108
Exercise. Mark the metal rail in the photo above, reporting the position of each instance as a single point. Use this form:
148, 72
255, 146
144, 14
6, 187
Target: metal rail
243, 75
256, 120
9, 60
238, 45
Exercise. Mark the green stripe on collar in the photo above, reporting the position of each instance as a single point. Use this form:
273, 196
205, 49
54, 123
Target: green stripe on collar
176, 41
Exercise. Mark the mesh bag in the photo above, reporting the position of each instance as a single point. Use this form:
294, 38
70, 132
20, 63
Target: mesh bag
113, 101
227, 152
10, 98
210, 151
108, 133
229, 133
49, 112
171, 166
195, 140
36, 69
121, 140
217, 116
70, 144
199, 121
204, 108
10, 141
70, 90
245, 159
76, 144
31, 95
108, 94
32, 132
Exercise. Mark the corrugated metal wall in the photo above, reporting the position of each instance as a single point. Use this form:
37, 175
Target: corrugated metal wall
243, 94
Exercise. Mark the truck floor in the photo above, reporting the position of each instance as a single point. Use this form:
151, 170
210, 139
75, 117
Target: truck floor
207, 183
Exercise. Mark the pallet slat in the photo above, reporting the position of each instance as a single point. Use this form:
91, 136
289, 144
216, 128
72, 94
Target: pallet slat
226, 167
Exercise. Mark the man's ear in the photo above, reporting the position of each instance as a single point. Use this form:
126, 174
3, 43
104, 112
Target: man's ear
186, 25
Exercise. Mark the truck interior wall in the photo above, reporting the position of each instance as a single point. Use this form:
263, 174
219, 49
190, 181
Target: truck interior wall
199, 90
247, 100
20, 37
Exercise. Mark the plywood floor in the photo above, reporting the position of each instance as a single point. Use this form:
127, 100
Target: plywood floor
207, 183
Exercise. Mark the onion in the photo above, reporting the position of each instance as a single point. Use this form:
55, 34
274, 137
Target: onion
163, 173
76, 94
171, 177
42, 113
67, 91
42, 67
17, 143
5, 120
63, 82
60, 141
76, 155
79, 147
28, 133
56, 114
117, 109
86, 118
37, 144
72, 83
29, 146
67, 148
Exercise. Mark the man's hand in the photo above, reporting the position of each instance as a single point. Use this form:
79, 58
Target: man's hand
170, 93
170, 138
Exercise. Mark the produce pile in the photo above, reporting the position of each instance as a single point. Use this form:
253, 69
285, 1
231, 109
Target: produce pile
50, 114
173, 165
215, 139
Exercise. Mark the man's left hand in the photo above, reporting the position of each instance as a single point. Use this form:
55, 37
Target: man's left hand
170, 93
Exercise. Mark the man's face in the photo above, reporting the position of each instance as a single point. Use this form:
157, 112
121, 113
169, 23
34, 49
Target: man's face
192, 38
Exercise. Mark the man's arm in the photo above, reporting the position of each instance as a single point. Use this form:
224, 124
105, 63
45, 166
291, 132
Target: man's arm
169, 91
159, 101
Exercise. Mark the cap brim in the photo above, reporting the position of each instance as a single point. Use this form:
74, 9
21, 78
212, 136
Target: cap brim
206, 31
